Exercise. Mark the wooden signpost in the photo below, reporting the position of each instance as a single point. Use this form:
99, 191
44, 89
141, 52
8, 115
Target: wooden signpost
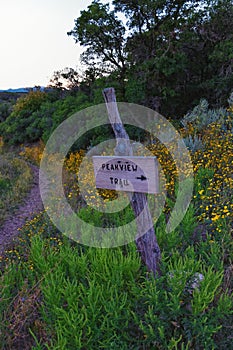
128, 174
146, 243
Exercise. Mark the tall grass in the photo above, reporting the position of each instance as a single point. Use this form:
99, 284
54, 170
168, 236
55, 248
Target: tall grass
15, 180
57, 294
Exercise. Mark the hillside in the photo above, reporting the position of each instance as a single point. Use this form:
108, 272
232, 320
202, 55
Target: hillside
60, 294
8, 96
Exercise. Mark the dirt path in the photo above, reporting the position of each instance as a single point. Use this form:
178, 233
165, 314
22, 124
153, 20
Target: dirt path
27, 210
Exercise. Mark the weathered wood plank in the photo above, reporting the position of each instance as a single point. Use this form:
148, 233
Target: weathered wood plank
147, 243
128, 174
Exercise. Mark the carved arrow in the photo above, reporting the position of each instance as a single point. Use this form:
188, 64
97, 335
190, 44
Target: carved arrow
142, 177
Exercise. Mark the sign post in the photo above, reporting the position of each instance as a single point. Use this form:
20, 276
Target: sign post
127, 172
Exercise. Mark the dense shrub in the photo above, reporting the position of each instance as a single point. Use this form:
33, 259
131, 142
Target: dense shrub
18, 127
37, 114
5, 110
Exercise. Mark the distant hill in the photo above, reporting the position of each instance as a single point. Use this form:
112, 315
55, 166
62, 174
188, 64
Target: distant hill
23, 90
14, 94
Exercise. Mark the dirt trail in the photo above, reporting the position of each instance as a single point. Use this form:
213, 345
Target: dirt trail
27, 210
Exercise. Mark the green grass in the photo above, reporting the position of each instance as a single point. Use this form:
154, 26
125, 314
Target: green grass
57, 294
15, 180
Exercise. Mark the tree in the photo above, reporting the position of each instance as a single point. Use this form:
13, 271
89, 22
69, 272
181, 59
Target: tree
215, 53
157, 64
103, 35
179, 51
147, 15
67, 78
169, 53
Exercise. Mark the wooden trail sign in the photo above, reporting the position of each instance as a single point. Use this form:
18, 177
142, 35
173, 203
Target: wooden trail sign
147, 244
128, 174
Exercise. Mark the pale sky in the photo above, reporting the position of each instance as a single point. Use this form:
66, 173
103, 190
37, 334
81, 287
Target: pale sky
34, 41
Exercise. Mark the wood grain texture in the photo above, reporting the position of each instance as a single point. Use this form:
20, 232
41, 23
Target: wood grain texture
128, 174
147, 244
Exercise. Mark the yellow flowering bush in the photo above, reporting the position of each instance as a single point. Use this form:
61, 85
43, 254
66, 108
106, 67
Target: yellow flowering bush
214, 202
86, 179
218, 155
33, 153
31, 101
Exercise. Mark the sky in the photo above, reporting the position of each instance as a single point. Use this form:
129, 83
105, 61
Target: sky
34, 41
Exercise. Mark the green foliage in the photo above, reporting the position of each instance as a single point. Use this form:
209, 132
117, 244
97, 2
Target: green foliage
5, 110
102, 34
201, 116
18, 127
101, 219
181, 237
193, 143
95, 309
15, 180
202, 180
58, 294
29, 103
35, 116
135, 91
164, 53
100, 298
179, 310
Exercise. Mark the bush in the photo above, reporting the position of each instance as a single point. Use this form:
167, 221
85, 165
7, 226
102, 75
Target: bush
18, 127
15, 181
37, 114
5, 110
